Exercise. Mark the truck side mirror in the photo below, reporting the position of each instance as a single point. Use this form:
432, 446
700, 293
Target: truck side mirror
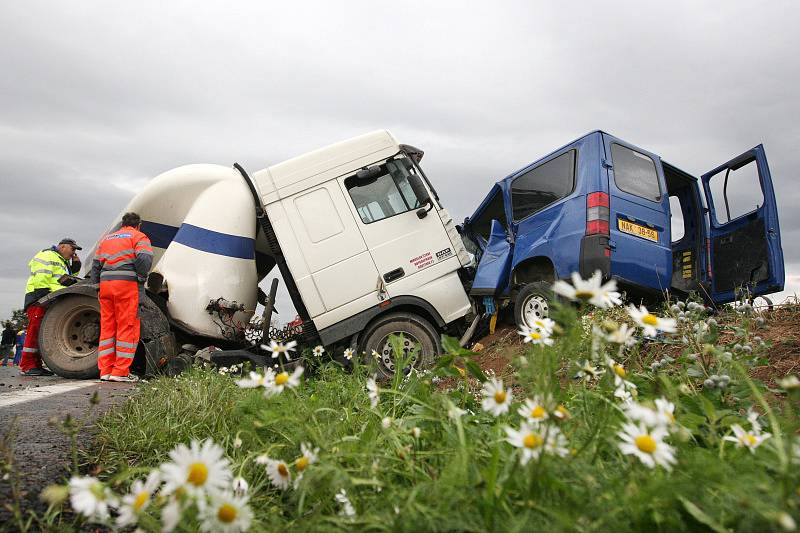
421, 193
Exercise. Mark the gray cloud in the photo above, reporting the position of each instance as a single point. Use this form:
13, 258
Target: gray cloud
96, 97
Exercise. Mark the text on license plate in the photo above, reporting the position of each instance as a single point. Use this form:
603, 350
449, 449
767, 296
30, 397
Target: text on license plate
638, 230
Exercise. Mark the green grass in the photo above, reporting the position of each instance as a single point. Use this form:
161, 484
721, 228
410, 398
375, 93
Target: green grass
461, 475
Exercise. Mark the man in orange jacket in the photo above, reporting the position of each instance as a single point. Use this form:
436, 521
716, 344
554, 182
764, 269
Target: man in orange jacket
121, 264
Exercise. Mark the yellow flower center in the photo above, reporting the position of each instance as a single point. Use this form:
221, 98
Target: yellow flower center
584, 295
226, 513
500, 396
650, 320
282, 378
645, 443
198, 473
301, 463
538, 412
282, 470
532, 441
534, 335
461, 371
620, 371
141, 499
748, 439
562, 411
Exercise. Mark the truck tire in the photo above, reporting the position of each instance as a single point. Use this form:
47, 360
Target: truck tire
532, 302
415, 331
69, 335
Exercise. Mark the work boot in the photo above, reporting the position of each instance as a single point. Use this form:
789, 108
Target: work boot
36, 371
130, 378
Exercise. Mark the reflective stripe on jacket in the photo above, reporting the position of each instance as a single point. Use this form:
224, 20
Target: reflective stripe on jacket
46, 267
125, 254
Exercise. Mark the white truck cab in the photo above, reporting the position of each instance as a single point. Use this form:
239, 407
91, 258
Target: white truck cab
364, 237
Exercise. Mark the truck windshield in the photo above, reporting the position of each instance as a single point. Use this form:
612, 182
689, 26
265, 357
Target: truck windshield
385, 195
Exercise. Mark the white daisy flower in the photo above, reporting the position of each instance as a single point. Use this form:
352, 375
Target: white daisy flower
372, 391
240, 486
666, 411
752, 417
137, 500
386, 423
348, 353
91, 498
748, 439
535, 410
308, 457
536, 335
533, 441
662, 416
226, 513
650, 323
318, 351
624, 394
624, 335
171, 514
277, 471
279, 348
589, 371
376, 355
454, 412
561, 412
257, 380
496, 399
347, 507
284, 380
416, 432
647, 445
237, 442
198, 468
592, 290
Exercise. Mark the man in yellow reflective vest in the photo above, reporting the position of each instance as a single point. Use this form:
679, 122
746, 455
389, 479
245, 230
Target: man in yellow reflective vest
50, 271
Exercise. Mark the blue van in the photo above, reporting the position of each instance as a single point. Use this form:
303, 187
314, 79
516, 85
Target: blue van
601, 203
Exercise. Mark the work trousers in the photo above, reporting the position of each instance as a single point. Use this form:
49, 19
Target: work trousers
30, 350
119, 326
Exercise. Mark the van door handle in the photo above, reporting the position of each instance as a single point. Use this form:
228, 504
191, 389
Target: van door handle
397, 273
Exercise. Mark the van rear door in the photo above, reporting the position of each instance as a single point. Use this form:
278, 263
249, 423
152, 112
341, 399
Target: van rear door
744, 246
639, 224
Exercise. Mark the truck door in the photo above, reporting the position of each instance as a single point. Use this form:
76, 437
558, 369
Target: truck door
639, 222
403, 244
744, 245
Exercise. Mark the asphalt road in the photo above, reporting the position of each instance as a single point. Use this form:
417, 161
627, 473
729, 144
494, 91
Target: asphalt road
40, 451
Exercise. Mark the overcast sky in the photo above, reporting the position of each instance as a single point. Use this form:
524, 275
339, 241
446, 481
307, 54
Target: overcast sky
97, 97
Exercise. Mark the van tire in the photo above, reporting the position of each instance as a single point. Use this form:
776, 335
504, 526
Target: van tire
414, 329
69, 335
533, 301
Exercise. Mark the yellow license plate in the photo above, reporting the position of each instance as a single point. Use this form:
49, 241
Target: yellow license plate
638, 230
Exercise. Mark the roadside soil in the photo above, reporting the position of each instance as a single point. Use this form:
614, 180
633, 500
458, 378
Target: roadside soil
31, 440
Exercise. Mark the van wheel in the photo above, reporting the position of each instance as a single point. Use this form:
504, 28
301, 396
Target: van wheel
418, 335
533, 303
69, 335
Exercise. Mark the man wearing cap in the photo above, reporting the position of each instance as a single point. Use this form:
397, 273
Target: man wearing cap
50, 270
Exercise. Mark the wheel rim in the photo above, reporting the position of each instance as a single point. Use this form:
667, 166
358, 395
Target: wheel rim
535, 308
386, 353
79, 332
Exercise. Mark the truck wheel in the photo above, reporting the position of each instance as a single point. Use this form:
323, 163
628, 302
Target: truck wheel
416, 332
69, 335
532, 303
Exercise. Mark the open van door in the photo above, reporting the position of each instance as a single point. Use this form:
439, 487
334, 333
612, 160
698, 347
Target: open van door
744, 245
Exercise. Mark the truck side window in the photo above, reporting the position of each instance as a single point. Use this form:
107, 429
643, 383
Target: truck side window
543, 185
383, 196
635, 173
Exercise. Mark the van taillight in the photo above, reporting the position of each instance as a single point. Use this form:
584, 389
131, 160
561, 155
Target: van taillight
597, 213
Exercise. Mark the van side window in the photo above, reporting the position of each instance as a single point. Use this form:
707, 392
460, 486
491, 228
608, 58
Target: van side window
635, 173
495, 210
543, 185
383, 196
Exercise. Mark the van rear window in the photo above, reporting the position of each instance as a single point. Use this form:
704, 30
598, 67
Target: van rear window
635, 173
543, 185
